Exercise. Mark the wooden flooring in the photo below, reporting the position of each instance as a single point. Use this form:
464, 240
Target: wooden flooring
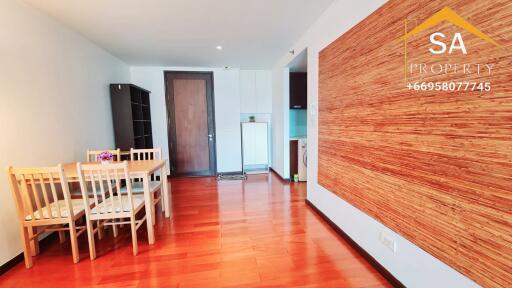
257, 233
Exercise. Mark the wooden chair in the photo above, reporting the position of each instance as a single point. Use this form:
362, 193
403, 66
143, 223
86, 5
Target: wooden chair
40, 203
146, 154
154, 185
92, 155
109, 207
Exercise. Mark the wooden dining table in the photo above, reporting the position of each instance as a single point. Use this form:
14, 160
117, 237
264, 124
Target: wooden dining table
141, 170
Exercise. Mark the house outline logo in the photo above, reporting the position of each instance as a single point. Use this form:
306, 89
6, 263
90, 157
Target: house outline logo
445, 14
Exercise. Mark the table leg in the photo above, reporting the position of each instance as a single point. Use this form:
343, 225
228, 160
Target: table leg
149, 210
165, 192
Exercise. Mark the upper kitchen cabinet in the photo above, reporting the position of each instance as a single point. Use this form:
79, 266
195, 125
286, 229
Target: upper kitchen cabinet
255, 91
298, 90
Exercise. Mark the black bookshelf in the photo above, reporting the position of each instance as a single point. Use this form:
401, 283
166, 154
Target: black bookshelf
131, 116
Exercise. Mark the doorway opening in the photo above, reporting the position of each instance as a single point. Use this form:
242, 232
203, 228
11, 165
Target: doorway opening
298, 115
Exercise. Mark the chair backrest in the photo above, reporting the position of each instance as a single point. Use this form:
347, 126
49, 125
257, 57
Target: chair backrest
146, 154
102, 179
92, 155
36, 193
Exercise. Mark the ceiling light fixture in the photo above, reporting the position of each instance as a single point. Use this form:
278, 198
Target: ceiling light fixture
218, 47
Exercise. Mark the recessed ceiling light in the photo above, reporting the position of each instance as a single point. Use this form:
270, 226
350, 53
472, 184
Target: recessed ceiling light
218, 47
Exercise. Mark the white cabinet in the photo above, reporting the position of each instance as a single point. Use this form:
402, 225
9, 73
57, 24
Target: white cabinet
255, 143
255, 91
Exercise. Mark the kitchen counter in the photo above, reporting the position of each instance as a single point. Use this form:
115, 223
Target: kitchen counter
298, 137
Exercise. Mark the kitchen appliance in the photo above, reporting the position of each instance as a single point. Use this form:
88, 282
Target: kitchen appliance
303, 159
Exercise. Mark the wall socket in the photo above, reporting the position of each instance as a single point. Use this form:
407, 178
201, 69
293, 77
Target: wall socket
388, 242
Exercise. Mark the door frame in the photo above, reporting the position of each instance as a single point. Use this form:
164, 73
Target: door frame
171, 121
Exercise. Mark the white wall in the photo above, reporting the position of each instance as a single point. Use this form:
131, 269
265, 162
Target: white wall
410, 264
227, 111
281, 121
55, 100
227, 120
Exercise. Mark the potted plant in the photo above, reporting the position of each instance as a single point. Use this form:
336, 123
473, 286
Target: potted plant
105, 157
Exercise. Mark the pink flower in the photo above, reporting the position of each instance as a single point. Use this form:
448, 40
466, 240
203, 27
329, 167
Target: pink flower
105, 156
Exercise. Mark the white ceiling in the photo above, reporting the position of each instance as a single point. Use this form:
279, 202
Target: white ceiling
253, 33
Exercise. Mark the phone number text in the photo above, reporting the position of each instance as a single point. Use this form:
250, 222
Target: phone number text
450, 86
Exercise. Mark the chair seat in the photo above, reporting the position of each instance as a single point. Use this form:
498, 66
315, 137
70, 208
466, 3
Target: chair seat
138, 187
106, 206
76, 204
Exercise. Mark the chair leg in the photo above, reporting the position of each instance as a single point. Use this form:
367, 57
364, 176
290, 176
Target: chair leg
27, 251
100, 229
114, 228
134, 235
74, 242
34, 243
62, 237
90, 239
153, 207
162, 200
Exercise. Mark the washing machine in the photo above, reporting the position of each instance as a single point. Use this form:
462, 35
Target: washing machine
303, 159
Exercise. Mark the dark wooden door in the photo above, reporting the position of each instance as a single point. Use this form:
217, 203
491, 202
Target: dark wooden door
191, 127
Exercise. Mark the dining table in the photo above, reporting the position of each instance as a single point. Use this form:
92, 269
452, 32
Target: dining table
139, 169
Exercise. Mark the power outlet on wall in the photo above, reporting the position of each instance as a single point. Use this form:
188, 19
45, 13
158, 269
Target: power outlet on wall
388, 241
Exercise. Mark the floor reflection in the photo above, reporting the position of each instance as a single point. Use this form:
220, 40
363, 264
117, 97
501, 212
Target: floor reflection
250, 233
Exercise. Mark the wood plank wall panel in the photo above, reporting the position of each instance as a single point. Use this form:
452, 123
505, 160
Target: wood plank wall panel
435, 167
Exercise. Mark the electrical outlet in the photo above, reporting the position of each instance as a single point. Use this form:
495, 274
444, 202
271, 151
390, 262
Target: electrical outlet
388, 242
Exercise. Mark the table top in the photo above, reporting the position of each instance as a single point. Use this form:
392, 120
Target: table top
134, 167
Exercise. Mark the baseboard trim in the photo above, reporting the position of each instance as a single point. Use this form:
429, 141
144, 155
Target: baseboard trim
375, 264
279, 175
11, 263
43, 243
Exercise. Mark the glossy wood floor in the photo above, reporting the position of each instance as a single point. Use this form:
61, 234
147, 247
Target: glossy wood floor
257, 233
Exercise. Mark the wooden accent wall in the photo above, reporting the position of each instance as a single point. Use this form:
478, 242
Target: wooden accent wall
436, 167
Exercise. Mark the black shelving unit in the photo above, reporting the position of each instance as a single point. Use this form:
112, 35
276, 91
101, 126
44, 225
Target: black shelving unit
131, 116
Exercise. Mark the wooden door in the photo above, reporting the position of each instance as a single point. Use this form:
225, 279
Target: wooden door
191, 129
